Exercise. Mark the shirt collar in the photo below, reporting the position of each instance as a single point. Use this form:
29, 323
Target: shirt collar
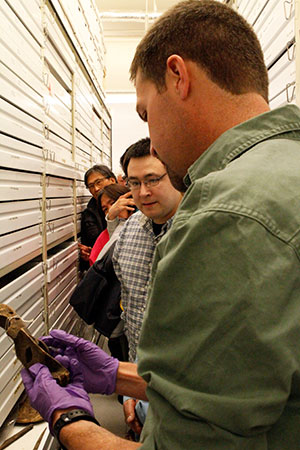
242, 137
146, 223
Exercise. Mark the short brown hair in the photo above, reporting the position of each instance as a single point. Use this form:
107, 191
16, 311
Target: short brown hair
137, 150
211, 34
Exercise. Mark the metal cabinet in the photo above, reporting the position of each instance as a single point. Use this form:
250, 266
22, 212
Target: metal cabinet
275, 23
52, 114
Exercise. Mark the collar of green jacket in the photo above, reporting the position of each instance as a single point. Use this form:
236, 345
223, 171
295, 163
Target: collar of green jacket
243, 137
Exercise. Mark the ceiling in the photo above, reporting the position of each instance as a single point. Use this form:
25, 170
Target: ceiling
130, 18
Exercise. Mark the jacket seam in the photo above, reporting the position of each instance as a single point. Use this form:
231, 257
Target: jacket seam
267, 223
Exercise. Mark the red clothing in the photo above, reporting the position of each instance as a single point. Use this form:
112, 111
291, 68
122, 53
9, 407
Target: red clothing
97, 247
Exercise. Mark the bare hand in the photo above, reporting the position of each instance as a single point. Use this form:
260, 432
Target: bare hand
130, 415
122, 207
85, 251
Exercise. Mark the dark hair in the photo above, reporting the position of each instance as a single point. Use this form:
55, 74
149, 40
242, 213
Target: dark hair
104, 170
210, 34
136, 150
113, 191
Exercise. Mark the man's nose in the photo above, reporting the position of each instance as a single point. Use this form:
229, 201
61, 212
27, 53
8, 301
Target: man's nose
144, 190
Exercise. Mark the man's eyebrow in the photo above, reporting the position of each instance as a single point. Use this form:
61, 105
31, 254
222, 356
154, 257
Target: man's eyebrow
146, 176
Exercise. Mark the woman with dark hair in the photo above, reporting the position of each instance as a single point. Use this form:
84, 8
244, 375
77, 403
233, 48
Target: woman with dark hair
117, 205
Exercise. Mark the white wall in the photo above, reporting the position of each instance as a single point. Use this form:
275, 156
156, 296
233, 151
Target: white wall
127, 127
118, 57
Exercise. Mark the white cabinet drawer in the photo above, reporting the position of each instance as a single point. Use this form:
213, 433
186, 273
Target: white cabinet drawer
9, 395
59, 207
28, 68
61, 258
17, 215
59, 229
287, 96
59, 305
59, 283
56, 60
81, 190
14, 154
251, 10
96, 128
82, 157
58, 187
19, 185
83, 143
97, 155
31, 16
58, 152
60, 168
63, 130
281, 75
82, 123
22, 292
19, 290
275, 28
56, 88
53, 32
106, 157
16, 91
15, 122
20, 244
81, 204
66, 320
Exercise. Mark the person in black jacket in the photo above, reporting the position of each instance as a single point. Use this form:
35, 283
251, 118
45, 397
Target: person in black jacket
92, 218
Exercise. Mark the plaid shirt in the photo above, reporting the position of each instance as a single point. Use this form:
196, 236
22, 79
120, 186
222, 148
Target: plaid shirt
132, 260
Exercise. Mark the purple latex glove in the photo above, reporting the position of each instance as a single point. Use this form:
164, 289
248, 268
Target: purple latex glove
98, 368
46, 396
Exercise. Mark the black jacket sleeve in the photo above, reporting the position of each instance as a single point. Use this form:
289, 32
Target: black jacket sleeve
96, 298
92, 223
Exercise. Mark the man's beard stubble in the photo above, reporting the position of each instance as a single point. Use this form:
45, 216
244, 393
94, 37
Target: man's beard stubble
176, 180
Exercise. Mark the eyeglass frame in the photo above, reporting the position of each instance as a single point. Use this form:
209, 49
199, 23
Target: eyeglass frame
91, 186
152, 182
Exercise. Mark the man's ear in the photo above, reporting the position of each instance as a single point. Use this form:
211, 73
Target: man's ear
178, 75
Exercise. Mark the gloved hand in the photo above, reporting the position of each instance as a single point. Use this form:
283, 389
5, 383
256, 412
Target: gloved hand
46, 396
98, 368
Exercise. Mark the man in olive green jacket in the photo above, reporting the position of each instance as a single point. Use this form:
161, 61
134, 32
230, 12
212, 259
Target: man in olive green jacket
220, 343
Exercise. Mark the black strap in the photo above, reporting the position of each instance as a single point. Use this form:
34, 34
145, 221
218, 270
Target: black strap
70, 417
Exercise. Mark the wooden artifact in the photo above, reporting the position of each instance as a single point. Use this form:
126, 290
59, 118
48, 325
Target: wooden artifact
30, 350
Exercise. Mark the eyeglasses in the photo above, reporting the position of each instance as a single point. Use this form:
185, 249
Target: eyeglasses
98, 183
134, 185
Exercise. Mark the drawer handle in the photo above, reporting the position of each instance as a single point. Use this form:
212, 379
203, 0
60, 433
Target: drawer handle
288, 7
290, 93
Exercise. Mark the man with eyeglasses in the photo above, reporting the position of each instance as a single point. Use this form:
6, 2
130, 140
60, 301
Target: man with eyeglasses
92, 219
157, 201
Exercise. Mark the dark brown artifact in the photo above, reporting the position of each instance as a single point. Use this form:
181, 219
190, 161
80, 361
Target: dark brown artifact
26, 413
30, 350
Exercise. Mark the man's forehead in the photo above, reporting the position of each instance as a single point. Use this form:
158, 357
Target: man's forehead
144, 166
